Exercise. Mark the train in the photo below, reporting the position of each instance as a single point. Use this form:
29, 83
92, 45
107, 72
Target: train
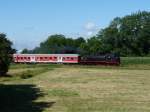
107, 59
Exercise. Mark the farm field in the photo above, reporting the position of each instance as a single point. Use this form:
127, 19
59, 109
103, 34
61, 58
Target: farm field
77, 88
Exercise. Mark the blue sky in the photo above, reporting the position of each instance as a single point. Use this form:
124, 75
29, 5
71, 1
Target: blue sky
28, 22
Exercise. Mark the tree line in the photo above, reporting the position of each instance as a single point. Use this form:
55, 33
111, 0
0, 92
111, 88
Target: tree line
128, 36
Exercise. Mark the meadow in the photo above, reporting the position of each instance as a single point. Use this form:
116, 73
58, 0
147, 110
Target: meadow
77, 88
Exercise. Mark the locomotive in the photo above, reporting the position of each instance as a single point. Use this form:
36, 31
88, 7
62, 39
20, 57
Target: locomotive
107, 59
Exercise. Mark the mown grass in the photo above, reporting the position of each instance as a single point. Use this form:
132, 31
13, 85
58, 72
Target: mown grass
18, 66
77, 88
26, 71
62, 93
105, 90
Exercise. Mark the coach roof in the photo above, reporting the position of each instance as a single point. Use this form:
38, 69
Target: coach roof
47, 54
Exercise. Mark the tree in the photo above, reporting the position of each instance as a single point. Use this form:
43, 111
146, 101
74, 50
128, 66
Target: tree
79, 41
53, 44
129, 35
91, 47
5, 54
25, 51
56, 44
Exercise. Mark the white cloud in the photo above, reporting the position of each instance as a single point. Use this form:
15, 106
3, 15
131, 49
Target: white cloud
90, 28
89, 33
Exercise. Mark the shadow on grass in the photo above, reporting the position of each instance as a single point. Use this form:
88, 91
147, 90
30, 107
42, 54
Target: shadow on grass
5, 76
21, 98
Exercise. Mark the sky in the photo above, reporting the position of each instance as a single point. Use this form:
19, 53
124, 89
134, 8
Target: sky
29, 22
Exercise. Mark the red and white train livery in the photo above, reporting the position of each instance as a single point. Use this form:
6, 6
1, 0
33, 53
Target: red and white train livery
46, 58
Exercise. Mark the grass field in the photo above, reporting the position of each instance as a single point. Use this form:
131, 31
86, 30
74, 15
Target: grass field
77, 88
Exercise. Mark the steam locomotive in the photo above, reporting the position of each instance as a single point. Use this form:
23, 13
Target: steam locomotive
107, 59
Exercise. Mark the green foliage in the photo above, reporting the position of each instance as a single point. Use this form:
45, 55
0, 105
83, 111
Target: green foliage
130, 35
92, 46
5, 54
25, 51
56, 44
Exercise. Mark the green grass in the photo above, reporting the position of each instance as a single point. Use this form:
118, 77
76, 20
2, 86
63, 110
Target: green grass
17, 66
31, 73
26, 71
77, 88
135, 61
62, 93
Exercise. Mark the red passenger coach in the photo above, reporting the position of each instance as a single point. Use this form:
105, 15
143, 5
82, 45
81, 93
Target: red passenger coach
46, 58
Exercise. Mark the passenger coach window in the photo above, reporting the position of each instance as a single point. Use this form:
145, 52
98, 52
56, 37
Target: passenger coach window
75, 58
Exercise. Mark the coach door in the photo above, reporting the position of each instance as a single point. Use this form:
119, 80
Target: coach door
32, 59
60, 59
